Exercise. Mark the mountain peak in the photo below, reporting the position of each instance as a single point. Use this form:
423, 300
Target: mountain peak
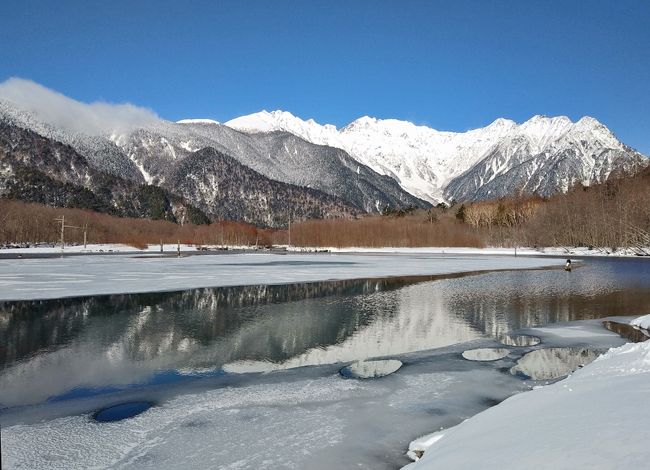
360, 123
269, 121
548, 120
501, 124
589, 122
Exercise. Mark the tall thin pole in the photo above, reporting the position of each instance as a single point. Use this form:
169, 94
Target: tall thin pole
289, 244
62, 232
62, 240
64, 226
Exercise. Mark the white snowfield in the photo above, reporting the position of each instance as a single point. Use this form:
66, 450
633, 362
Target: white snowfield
47, 278
593, 419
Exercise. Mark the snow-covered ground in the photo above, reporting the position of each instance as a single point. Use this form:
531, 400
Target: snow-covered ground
47, 278
169, 248
593, 419
580, 251
642, 322
523, 251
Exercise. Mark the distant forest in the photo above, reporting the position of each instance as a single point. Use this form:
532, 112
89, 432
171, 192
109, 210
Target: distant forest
612, 215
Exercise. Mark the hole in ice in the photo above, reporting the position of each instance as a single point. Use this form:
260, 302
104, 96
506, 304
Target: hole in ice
122, 411
370, 369
490, 402
552, 363
627, 331
519, 340
485, 354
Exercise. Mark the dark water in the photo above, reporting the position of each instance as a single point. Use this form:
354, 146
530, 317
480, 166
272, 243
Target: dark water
61, 349
121, 411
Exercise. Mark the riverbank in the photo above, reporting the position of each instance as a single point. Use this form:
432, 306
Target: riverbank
591, 419
172, 248
520, 251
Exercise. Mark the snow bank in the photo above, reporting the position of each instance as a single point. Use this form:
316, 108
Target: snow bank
642, 322
523, 251
440, 250
593, 419
169, 248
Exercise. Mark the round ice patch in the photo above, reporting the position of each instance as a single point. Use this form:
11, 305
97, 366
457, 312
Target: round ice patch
370, 369
485, 354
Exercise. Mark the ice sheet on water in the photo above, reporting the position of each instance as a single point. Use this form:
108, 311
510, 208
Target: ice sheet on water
302, 418
92, 275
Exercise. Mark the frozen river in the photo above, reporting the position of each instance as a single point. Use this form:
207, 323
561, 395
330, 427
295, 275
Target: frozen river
50, 278
247, 376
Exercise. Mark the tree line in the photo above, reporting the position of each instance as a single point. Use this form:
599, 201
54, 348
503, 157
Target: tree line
614, 214
30, 223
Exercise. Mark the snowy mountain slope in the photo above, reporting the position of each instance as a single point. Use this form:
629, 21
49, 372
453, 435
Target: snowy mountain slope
99, 151
370, 163
227, 190
279, 156
544, 154
151, 152
38, 169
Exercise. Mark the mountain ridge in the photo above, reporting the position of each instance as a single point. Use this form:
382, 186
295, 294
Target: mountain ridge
434, 164
369, 163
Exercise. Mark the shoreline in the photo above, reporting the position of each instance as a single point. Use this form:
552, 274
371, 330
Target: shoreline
600, 402
171, 250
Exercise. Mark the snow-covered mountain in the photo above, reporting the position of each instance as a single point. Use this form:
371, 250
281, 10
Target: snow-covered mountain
543, 155
225, 173
363, 167
279, 156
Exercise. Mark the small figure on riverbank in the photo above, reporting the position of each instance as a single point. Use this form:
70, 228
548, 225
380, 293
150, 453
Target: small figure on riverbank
567, 266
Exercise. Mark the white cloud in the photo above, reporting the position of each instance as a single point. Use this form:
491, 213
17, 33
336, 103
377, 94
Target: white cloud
58, 110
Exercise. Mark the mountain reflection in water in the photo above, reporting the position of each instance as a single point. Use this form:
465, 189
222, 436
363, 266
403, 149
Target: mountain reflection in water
48, 348
553, 363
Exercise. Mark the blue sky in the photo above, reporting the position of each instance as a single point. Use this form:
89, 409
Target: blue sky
453, 65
